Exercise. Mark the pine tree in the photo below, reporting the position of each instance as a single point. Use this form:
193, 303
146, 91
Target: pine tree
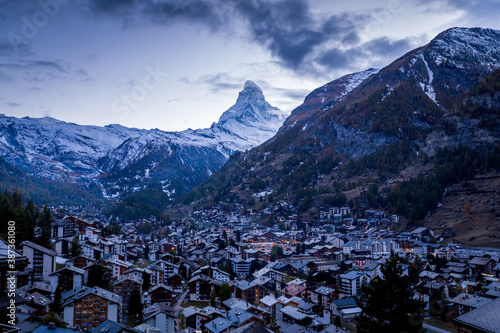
212, 298
135, 306
52, 318
76, 247
297, 248
388, 304
146, 251
56, 304
30, 217
99, 275
146, 278
225, 292
46, 226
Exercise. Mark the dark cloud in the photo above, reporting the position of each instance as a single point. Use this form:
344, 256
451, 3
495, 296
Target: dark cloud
385, 47
13, 104
336, 58
351, 39
210, 13
191, 10
288, 29
378, 51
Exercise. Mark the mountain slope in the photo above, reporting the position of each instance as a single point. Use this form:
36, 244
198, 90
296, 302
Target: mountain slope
386, 128
123, 159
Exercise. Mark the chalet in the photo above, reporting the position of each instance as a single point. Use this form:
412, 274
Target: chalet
324, 296
63, 228
196, 318
292, 315
289, 269
80, 261
167, 248
199, 288
162, 294
249, 291
86, 307
482, 265
240, 317
125, 286
269, 303
241, 267
466, 302
213, 272
118, 267
482, 319
67, 278
161, 317
292, 290
40, 303
220, 325
175, 281
346, 308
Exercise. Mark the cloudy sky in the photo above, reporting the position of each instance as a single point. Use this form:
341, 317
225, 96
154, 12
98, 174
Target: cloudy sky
174, 64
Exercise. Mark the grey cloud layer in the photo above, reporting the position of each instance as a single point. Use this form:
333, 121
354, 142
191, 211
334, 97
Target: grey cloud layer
286, 28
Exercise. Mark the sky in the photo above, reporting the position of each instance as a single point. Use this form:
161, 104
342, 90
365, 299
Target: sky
178, 64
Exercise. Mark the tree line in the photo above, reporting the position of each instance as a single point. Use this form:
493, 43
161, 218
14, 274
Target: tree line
28, 218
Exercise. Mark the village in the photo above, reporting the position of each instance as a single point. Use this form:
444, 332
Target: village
239, 270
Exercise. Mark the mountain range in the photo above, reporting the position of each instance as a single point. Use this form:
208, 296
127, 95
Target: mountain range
115, 159
407, 138
398, 138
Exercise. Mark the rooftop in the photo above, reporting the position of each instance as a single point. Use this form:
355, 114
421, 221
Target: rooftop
39, 248
484, 319
472, 301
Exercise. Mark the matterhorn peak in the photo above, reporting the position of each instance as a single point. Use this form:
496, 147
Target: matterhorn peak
252, 114
251, 92
251, 85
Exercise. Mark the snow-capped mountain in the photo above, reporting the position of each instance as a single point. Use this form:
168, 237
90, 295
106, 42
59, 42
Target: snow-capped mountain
404, 100
440, 95
124, 158
252, 117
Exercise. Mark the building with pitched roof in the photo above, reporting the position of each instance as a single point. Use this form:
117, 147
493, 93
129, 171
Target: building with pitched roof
483, 319
41, 260
160, 316
85, 307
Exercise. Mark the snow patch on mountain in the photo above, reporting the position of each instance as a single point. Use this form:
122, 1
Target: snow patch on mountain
69, 152
478, 46
427, 87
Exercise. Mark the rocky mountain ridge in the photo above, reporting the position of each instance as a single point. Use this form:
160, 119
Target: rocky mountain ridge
127, 159
392, 126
